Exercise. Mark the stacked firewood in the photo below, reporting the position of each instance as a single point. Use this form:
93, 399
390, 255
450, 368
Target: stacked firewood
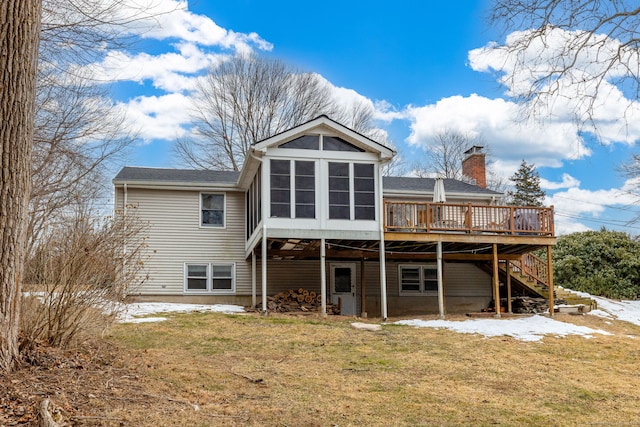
531, 305
299, 300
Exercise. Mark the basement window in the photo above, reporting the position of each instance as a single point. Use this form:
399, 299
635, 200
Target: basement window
209, 278
416, 279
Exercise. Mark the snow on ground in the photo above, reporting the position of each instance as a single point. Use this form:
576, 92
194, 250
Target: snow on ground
523, 328
536, 327
628, 311
134, 311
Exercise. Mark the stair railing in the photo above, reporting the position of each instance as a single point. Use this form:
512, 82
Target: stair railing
533, 268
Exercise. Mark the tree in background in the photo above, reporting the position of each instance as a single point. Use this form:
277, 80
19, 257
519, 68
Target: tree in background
591, 46
527, 191
445, 154
247, 99
581, 54
604, 263
78, 131
18, 67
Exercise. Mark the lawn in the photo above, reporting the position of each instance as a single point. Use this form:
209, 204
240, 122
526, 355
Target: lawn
248, 370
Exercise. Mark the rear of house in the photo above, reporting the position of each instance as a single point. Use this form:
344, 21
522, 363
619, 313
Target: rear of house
311, 210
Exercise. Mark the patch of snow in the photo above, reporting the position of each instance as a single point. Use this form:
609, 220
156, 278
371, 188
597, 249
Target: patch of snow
600, 313
523, 329
133, 311
628, 311
144, 320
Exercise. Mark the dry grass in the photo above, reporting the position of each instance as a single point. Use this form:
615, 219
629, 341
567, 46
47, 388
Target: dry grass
247, 370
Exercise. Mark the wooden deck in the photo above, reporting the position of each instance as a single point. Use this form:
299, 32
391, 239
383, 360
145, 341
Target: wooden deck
425, 217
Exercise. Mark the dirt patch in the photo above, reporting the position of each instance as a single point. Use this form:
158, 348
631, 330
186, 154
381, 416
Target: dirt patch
80, 384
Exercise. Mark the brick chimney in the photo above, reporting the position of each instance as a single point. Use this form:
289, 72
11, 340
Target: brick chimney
473, 166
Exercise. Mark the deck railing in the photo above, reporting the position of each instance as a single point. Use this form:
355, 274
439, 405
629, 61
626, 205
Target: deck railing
427, 217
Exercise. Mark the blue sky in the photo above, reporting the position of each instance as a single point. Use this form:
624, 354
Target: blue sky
424, 66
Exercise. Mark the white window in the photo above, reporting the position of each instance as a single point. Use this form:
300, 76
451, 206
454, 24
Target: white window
211, 210
209, 278
197, 277
418, 279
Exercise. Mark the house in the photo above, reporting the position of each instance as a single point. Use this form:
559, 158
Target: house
311, 209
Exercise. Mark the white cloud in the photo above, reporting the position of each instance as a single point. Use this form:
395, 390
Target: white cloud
170, 71
576, 204
158, 117
198, 43
171, 19
567, 97
567, 182
496, 122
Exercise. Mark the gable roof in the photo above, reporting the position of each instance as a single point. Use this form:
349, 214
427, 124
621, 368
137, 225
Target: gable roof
328, 123
129, 174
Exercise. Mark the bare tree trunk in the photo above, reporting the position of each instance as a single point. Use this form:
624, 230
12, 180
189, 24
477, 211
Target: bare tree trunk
19, 36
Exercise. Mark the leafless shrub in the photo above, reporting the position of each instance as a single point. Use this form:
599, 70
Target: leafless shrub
78, 276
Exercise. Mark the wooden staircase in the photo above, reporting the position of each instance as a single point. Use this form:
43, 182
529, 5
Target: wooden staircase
530, 272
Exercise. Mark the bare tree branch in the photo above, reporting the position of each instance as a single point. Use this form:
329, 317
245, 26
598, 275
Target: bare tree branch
247, 99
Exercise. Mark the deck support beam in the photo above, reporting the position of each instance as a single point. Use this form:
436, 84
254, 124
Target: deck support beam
264, 271
383, 280
550, 281
496, 281
509, 302
440, 281
323, 276
363, 298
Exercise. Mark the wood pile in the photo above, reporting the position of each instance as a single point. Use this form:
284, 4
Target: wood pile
531, 305
299, 299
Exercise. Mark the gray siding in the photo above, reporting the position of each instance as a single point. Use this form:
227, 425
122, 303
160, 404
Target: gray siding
467, 287
175, 237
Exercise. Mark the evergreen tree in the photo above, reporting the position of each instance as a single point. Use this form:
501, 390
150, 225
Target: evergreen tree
527, 191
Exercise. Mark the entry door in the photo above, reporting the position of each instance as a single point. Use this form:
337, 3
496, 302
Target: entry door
343, 287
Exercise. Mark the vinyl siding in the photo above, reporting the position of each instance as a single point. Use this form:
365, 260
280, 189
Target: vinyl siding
466, 288
175, 237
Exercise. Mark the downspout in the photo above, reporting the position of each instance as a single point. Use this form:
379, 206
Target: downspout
124, 216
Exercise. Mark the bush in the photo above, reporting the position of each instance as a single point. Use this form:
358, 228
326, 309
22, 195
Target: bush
604, 263
78, 277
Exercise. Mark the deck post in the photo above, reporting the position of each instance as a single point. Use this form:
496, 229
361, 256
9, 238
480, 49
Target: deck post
383, 280
323, 276
264, 271
440, 281
254, 298
508, 271
496, 281
363, 300
550, 281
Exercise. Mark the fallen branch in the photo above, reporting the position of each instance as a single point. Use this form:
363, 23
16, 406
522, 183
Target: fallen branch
248, 378
172, 399
94, 418
46, 420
